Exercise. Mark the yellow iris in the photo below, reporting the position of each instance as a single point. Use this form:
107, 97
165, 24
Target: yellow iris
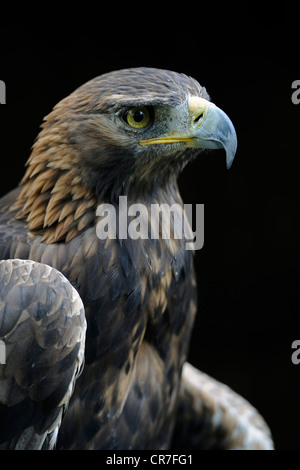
138, 117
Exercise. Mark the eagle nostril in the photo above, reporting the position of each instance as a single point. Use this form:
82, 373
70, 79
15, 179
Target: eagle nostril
198, 117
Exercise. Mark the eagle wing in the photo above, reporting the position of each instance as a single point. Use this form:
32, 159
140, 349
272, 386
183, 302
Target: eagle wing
211, 416
42, 326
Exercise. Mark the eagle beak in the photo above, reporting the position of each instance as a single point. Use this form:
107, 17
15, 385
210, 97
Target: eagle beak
212, 128
209, 128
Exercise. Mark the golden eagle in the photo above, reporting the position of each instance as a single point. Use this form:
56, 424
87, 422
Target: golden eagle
125, 133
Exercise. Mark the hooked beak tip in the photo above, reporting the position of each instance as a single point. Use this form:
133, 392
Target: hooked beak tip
217, 131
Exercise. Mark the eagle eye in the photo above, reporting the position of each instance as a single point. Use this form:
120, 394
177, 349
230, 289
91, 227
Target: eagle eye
137, 117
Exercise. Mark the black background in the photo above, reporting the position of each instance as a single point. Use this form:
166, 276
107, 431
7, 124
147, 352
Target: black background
248, 270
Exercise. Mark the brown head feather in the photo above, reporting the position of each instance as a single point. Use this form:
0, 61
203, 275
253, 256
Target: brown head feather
53, 199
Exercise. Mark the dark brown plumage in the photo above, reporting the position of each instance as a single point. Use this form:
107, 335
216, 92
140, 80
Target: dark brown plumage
43, 325
139, 295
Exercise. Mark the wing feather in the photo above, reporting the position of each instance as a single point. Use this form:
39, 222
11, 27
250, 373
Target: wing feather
42, 324
212, 416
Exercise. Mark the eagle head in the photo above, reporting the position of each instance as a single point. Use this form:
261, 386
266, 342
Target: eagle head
124, 132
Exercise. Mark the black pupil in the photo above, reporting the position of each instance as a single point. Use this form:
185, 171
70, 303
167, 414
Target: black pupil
138, 116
